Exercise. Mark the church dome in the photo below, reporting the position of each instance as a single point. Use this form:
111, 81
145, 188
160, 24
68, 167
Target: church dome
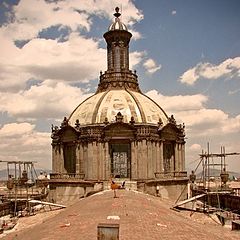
104, 106
117, 25
118, 89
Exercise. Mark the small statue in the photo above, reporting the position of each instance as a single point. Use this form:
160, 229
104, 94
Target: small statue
172, 120
64, 122
160, 122
77, 123
132, 121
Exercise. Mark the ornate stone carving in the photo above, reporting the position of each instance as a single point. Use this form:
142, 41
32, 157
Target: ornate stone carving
64, 123
172, 120
119, 117
132, 121
77, 124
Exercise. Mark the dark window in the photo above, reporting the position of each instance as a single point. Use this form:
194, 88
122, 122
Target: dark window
69, 153
168, 156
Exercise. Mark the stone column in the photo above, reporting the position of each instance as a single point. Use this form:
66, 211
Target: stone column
77, 157
154, 157
180, 156
133, 160
61, 160
95, 161
161, 157
86, 162
172, 161
150, 159
81, 159
107, 161
141, 159
100, 166
158, 157
54, 159
183, 157
90, 161
56, 163
144, 157
177, 160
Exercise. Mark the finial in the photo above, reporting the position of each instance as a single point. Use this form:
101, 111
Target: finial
117, 14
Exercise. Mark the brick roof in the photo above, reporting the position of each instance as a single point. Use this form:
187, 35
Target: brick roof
142, 217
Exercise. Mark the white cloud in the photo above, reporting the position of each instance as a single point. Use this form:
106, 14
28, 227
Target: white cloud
16, 129
228, 68
202, 125
135, 35
151, 66
199, 120
71, 60
135, 58
21, 142
48, 59
178, 103
30, 17
174, 12
48, 100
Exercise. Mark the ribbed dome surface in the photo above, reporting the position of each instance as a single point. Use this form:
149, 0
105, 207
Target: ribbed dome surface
107, 104
117, 25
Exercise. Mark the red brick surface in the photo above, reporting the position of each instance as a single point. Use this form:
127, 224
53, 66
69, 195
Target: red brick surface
142, 217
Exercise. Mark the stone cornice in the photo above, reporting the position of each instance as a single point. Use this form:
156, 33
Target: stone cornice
118, 80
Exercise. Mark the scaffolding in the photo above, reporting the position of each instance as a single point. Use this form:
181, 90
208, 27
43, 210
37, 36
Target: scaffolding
214, 161
204, 188
21, 184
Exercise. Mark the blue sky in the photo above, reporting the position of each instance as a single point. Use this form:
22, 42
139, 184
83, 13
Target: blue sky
186, 53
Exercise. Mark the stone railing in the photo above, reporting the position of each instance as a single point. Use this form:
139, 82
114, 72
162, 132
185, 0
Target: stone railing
67, 176
174, 174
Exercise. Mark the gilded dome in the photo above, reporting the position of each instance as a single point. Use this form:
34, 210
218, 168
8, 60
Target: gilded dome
105, 106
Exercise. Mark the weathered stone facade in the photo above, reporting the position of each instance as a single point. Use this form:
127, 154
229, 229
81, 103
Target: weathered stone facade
119, 131
148, 151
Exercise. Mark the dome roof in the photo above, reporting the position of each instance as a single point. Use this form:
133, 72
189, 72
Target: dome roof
117, 25
118, 89
106, 105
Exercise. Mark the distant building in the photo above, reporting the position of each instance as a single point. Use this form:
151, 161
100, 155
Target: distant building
120, 132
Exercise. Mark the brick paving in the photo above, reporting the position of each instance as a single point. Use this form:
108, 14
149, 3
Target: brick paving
142, 217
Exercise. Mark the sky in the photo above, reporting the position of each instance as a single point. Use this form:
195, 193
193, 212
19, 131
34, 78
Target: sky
186, 54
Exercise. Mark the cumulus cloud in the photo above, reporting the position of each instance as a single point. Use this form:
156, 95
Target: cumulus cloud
178, 103
15, 129
30, 17
47, 100
135, 58
63, 57
21, 142
202, 125
135, 34
228, 68
200, 121
151, 66
49, 59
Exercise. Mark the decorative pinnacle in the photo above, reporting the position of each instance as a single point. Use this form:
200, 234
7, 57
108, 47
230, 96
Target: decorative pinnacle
117, 14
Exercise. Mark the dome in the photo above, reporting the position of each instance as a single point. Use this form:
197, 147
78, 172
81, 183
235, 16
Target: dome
117, 25
106, 105
118, 89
